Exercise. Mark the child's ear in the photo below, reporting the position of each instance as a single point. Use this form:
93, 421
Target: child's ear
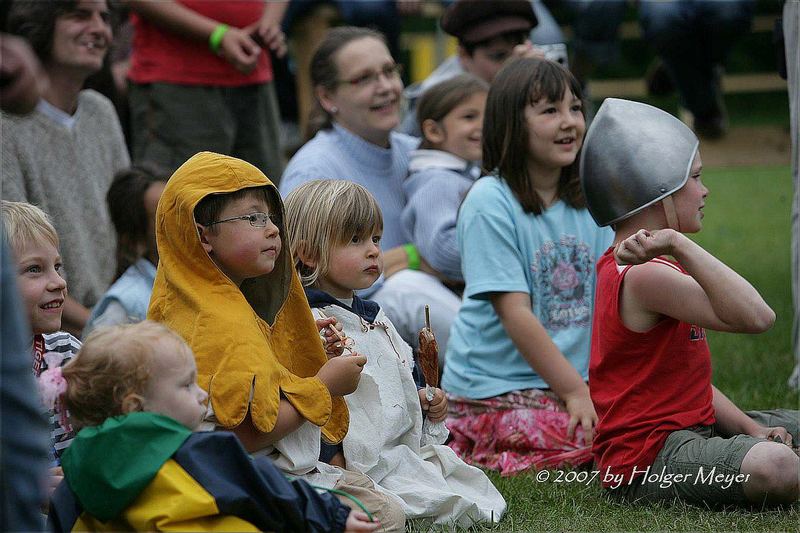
202, 232
132, 403
433, 131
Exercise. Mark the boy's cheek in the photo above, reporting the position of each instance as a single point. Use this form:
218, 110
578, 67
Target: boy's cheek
28, 291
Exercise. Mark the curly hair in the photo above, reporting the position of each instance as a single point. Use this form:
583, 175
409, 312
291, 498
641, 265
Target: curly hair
113, 363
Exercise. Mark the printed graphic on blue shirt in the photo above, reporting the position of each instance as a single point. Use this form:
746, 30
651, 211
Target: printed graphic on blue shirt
562, 277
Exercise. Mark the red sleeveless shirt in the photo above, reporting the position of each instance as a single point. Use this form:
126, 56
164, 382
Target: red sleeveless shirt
644, 385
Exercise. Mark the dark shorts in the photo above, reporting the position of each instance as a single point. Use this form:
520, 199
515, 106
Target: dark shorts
170, 123
697, 466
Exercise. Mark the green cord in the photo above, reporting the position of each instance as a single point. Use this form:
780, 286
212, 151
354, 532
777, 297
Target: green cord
348, 496
342, 493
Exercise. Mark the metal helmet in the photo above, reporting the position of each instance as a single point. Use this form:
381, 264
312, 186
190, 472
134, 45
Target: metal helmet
634, 155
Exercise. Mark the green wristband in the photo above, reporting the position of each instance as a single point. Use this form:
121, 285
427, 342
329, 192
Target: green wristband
413, 256
215, 39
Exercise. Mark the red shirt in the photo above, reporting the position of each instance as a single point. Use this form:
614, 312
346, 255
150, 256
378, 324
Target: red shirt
162, 56
644, 385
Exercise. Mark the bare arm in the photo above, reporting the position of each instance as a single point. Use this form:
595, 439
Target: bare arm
175, 17
538, 349
74, 317
396, 259
712, 296
733, 421
289, 419
274, 11
236, 47
267, 32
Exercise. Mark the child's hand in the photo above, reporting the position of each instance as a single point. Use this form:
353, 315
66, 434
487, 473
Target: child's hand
776, 434
644, 245
436, 409
334, 347
581, 411
358, 521
341, 374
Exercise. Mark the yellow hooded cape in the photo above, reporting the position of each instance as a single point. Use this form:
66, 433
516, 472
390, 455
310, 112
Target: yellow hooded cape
260, 338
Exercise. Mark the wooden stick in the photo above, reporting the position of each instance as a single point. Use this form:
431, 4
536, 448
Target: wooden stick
428, 316
336, 332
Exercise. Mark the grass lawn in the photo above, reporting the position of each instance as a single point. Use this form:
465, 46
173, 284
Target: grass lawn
747, 225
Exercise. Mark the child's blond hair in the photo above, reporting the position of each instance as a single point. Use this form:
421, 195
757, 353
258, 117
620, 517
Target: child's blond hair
322, 214
113, 363
27, 225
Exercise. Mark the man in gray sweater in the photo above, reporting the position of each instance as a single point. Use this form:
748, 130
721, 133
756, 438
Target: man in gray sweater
63, 156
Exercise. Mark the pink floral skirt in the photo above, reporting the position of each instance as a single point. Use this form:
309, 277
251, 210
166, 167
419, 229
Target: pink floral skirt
515, 432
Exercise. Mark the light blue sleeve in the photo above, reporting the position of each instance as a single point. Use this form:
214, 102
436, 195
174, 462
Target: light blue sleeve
490, 257
435, 209
296, 175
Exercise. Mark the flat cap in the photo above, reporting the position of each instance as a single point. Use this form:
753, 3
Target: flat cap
474, 21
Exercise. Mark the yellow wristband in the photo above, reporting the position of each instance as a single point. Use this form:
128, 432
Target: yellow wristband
413, 256
215, 39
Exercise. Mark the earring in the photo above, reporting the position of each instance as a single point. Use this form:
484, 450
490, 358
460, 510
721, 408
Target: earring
334, 110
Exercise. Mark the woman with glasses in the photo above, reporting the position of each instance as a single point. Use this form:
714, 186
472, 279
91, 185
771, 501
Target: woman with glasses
358, 87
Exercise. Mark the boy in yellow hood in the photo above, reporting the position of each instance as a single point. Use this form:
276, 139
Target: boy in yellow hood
226, 284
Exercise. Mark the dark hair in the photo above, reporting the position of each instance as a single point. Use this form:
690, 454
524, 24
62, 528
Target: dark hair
324, 72
505, 134
513, 38
210, 207
439, 100
35, 20
125, 199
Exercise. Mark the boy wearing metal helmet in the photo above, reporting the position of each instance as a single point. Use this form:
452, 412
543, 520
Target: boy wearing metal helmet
664, 431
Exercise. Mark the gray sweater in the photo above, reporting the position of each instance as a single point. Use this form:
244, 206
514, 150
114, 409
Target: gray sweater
67, 171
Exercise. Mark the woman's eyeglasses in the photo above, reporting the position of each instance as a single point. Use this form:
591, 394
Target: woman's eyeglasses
390, 72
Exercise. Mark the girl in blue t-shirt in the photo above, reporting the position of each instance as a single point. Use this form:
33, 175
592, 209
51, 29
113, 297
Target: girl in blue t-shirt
517, 359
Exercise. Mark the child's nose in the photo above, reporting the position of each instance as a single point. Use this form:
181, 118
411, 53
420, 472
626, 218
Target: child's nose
569, 121
271, 229
56, 282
